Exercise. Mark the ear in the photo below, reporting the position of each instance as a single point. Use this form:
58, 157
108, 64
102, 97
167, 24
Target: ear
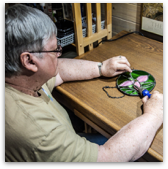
29, 61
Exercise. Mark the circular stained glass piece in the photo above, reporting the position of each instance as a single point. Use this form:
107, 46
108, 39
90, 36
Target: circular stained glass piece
127, 80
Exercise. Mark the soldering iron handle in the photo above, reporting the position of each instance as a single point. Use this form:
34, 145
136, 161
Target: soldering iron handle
146, 93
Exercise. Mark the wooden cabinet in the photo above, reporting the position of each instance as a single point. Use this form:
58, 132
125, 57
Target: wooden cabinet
126, 16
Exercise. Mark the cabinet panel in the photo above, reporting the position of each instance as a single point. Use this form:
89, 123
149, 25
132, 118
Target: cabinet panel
126, 11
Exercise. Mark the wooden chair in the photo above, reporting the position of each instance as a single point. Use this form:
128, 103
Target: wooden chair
81, 41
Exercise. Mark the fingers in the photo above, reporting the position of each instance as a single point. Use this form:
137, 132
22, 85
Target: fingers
119, 72
115, 66
145, 99
157, 95
155, 92
154, 95
121, 57
123, 63
123, 67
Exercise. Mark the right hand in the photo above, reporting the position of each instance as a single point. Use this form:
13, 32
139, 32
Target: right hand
154, 105
115, 66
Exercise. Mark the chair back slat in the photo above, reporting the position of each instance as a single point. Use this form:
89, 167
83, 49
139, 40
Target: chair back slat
108, 20
89, 22
98, 17
78, 28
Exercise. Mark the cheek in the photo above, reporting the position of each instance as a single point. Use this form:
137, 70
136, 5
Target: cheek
53, 61
52, 64
56, 62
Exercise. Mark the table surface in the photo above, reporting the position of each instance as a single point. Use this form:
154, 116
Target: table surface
111, 115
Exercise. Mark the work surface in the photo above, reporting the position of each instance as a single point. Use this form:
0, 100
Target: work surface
110, 115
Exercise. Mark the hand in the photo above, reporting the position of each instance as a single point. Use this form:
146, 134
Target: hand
154, 105
115, 66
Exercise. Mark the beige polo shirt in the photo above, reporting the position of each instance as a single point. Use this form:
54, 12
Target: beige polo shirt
39, 129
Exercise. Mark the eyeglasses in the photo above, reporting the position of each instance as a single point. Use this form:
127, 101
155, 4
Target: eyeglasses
58, 50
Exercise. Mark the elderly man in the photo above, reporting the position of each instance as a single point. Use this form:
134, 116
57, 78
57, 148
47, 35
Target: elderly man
37, 127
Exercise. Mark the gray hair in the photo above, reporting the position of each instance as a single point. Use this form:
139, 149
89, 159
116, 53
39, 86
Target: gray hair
26, 29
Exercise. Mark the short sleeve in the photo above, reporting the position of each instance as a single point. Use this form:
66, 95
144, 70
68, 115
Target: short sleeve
63, 145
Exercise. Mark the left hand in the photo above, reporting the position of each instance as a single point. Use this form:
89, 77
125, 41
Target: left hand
115, 66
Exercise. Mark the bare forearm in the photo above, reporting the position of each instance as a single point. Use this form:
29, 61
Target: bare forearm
132, 141
76, 69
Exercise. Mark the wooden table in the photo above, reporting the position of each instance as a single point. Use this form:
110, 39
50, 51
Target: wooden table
89, 102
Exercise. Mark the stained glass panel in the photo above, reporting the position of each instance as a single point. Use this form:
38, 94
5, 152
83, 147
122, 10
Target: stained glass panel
139, 78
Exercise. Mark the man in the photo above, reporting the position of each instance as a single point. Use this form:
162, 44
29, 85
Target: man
37, 128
